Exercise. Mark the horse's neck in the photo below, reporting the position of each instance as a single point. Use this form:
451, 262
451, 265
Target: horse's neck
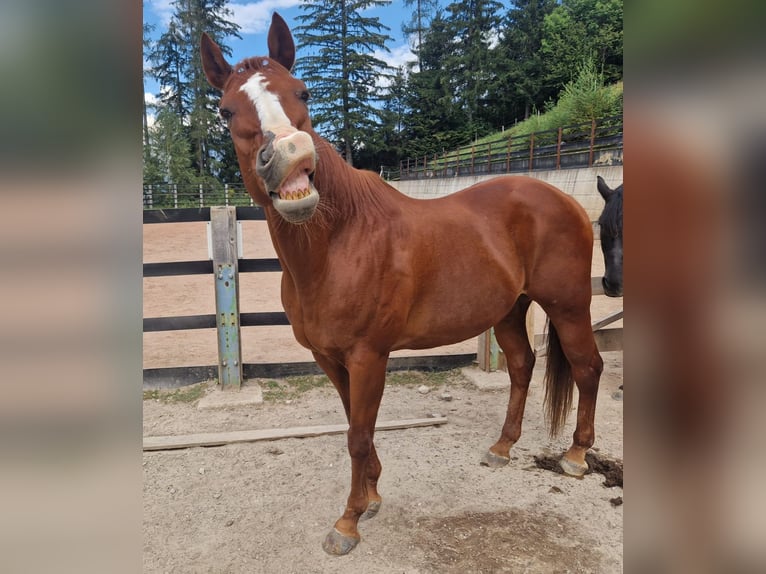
348, 197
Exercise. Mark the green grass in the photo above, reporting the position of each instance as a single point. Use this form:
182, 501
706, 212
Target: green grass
189, 394
293, 387
576, 107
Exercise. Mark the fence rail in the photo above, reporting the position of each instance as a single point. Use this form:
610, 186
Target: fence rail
581, 145
202, 196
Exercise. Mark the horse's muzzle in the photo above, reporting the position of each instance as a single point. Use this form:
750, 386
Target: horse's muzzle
283, 155
286, 163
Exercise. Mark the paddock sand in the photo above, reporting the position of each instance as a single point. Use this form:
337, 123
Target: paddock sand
265, 507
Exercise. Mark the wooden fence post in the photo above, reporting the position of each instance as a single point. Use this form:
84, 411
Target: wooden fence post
488, 351
489, 157
531, 151
223, 229
490, 356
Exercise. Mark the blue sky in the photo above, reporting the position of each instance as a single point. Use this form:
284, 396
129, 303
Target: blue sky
254, 19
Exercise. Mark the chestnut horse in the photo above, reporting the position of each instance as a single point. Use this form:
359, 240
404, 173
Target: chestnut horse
368, 270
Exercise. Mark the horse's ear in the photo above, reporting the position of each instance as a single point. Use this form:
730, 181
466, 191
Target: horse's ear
281, 45
603, 188
217, 69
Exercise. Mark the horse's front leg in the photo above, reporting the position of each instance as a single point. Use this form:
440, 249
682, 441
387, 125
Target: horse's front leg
367, 375
338, 374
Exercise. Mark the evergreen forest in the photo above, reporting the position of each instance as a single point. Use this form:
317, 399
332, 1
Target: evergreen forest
478, 67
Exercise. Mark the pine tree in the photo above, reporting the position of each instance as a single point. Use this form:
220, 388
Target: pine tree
580, 30
171, 157
419, 22
474, 25
522, 71
147, 29
184, 89
434, 120
342, 74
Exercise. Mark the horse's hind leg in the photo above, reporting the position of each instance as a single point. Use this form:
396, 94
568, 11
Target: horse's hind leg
511, 335
574, 338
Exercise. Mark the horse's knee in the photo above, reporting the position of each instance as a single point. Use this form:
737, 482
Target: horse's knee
359, 443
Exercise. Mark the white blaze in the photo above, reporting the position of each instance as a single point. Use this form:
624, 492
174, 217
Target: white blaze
273, 117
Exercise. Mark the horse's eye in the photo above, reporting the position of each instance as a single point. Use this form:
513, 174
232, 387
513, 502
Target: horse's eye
304, 95
225, 114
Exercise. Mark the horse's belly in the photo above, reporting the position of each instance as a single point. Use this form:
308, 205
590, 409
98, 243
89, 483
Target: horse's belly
449, 326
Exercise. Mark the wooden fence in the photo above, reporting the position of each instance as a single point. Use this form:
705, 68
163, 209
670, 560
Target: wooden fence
580, 145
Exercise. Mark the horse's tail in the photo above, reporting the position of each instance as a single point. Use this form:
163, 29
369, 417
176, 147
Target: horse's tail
559, 383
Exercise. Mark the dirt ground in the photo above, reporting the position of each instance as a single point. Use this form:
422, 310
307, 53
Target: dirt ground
265, 507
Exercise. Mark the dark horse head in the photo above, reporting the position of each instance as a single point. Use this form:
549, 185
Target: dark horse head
610, 223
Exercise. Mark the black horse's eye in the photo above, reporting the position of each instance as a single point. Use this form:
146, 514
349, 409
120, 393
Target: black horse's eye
304, 95
225, 114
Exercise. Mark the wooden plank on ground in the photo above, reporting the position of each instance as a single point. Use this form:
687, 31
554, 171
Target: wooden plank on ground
222, 438
614, 317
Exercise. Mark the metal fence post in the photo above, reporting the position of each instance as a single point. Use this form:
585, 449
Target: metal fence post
201, 196
175, 195
223, 229
226, 194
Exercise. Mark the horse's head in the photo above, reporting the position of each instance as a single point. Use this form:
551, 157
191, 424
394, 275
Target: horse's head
610, 224
265, 109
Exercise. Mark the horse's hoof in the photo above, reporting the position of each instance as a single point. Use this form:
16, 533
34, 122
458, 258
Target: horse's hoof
493, 460
337, 544
572, 468
372, 510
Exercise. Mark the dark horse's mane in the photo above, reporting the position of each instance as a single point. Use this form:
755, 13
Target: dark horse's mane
611, 218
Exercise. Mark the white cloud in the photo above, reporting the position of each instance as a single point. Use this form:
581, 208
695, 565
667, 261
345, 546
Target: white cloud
151, 100
255, 17
164, 10
397, 57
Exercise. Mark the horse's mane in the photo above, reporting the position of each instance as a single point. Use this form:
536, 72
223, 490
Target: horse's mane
350, 192
611, 218
253, 64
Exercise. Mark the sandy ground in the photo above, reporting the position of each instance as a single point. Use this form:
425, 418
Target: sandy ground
265, 507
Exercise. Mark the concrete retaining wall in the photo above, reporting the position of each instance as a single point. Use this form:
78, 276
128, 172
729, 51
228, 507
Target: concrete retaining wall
579, 183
